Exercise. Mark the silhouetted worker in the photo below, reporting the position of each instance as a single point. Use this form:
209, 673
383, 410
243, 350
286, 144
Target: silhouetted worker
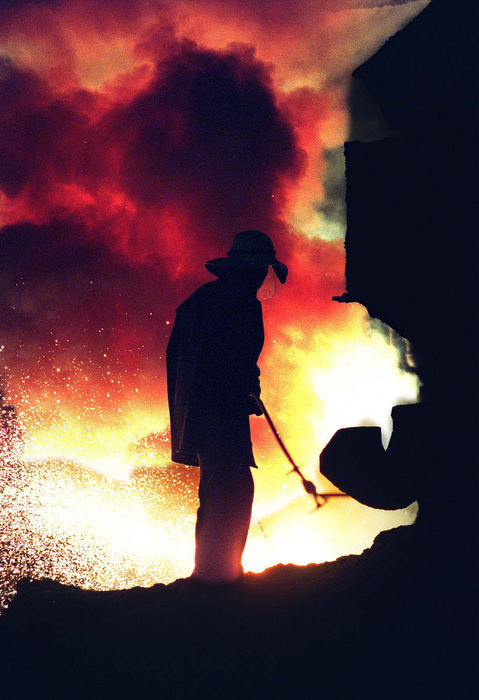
211, 364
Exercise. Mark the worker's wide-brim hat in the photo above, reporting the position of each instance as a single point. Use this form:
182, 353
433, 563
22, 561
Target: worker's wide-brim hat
250, 250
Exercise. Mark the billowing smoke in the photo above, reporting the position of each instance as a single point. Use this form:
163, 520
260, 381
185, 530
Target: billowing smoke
135, 141
136, 138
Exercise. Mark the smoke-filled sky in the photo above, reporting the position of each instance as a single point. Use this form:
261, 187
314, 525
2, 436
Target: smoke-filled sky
136, 138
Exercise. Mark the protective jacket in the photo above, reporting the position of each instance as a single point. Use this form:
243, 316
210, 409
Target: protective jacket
211, 361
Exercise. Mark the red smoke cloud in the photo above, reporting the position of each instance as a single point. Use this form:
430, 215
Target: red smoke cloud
107, 206
134, 143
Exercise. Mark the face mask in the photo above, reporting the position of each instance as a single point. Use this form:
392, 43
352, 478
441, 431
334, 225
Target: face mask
268, 288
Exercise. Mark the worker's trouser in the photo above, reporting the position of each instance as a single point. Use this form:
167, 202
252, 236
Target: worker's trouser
226, 497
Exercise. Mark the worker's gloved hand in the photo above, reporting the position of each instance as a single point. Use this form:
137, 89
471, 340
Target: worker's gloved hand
253, 407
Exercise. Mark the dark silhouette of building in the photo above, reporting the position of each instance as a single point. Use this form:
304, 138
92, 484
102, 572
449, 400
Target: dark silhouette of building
411, 247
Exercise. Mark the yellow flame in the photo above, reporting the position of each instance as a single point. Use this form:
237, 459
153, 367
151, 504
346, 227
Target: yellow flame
74, 509
112, 527
341, 374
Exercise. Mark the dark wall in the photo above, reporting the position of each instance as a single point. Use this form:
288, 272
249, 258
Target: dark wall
412, 232
412, 197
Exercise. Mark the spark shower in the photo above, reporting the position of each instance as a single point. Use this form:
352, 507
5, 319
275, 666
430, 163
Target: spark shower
136, 138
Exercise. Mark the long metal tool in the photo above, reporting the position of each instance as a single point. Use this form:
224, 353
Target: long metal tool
309, 487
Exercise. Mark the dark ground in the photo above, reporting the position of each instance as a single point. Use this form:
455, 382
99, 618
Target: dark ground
391, 623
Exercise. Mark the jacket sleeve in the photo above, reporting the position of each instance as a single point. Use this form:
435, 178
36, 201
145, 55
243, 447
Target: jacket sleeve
246, 345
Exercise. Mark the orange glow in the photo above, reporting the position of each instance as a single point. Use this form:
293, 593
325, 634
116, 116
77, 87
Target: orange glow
120, 191
117, 529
